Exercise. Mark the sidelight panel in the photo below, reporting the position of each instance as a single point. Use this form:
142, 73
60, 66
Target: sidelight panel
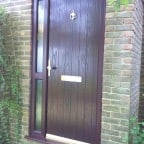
40, 31
38, 107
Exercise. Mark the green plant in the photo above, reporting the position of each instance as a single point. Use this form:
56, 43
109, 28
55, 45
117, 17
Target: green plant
136, 132
118, 3
10, 85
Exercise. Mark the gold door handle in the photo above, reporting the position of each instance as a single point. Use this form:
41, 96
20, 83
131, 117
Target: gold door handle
49, 68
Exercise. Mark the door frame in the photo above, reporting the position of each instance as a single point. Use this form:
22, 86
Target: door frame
40, 135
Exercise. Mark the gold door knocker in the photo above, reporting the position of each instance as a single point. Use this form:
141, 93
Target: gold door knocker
73, 15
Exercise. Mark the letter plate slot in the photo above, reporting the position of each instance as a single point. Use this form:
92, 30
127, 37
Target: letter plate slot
69, 78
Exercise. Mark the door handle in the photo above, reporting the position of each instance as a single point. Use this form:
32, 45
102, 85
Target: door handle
49, 68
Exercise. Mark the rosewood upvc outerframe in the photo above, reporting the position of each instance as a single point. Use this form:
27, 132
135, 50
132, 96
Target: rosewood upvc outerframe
40, 135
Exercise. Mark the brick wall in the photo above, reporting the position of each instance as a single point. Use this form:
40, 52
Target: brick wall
122, 55
121, 65
20, 17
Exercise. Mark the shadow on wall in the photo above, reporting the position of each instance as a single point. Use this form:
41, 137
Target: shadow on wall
141, 100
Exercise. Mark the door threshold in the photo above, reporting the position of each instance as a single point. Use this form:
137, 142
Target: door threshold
63, 139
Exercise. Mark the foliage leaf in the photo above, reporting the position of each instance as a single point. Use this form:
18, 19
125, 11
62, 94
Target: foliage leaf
118, 3
10, 86
136, 133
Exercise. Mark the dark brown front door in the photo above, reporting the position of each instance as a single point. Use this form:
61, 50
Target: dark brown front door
75, 69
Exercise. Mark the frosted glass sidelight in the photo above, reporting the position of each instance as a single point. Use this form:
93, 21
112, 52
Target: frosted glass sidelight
40, 30
38, 107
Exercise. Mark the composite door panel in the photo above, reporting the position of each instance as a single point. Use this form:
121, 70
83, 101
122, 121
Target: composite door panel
74, 45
